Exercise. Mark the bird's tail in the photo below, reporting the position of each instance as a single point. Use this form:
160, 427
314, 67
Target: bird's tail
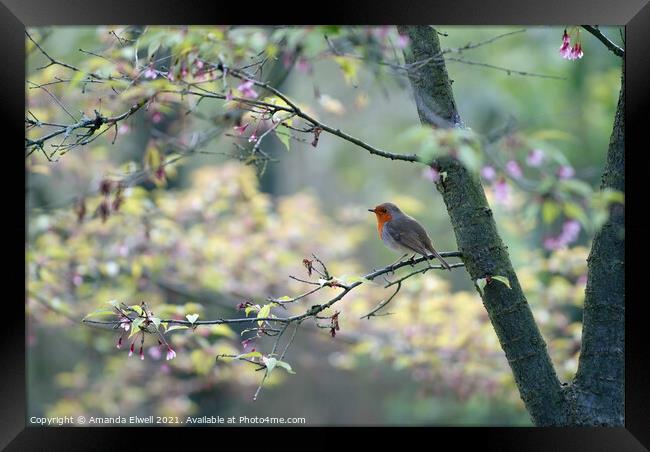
442, 261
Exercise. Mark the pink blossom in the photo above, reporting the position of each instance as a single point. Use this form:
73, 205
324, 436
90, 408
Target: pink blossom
381, 32
77, 280
565, 49
123, 129
402, 41
150, 72
488, 173
160, 173
431, 173
171, 354
287, 60
565, 37
252, 138
229, 95
240, 129
502, 191
551, 243
535, 158
303, 65
131, 350
170, 76
247, 90
125, 323
156, 117
576, 52
513, 169
570, 231
119, 342
569, 234
141, 353
565, 172
247, 343
154, 352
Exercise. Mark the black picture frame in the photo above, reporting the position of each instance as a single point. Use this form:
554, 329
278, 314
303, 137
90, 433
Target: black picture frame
15, 15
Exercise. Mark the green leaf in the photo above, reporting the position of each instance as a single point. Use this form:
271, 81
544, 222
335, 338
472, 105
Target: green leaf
284, 139
502, 279
249, 355
550, 211
612, 196
251, 308
135, 326
552, 135
469, 157
153, 48
480, 285
137, 309
177, 327
573, 210
222, 330
350, 69
285, 366
263, 313
270, 363
575, 186
76, 79
156, 321
192, 318
152, 158
284, 298
100, 311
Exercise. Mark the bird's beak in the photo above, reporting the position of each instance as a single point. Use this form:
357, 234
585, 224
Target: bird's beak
371, 210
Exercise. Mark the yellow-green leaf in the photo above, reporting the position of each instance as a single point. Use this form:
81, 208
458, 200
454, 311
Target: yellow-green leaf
502, 279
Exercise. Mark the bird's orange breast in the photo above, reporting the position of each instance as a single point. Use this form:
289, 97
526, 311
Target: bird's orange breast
381, 221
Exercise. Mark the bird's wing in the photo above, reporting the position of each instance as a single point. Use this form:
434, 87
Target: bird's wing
412, 235
415, 238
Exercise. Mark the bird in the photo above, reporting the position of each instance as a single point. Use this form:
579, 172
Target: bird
401, 232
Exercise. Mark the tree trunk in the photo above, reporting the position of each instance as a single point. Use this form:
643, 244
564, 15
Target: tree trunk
598, 384
598, 389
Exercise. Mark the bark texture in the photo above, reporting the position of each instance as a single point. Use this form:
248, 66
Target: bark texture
484, 253
598, 396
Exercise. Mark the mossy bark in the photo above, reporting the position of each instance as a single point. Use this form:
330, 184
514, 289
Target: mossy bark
597, 392
484, 253
596, 396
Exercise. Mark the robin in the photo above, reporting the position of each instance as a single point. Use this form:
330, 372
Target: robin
401, 232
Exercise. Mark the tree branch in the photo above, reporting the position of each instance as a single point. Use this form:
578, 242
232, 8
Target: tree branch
91, 124
434, 97
616, 50
315, 309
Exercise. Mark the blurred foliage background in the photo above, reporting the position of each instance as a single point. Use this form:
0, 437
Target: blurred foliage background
190, 223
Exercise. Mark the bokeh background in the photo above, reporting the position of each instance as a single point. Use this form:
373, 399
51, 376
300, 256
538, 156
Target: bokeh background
212, 231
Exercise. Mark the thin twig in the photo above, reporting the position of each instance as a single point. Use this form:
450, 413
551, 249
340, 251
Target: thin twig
593, 29
373, 313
